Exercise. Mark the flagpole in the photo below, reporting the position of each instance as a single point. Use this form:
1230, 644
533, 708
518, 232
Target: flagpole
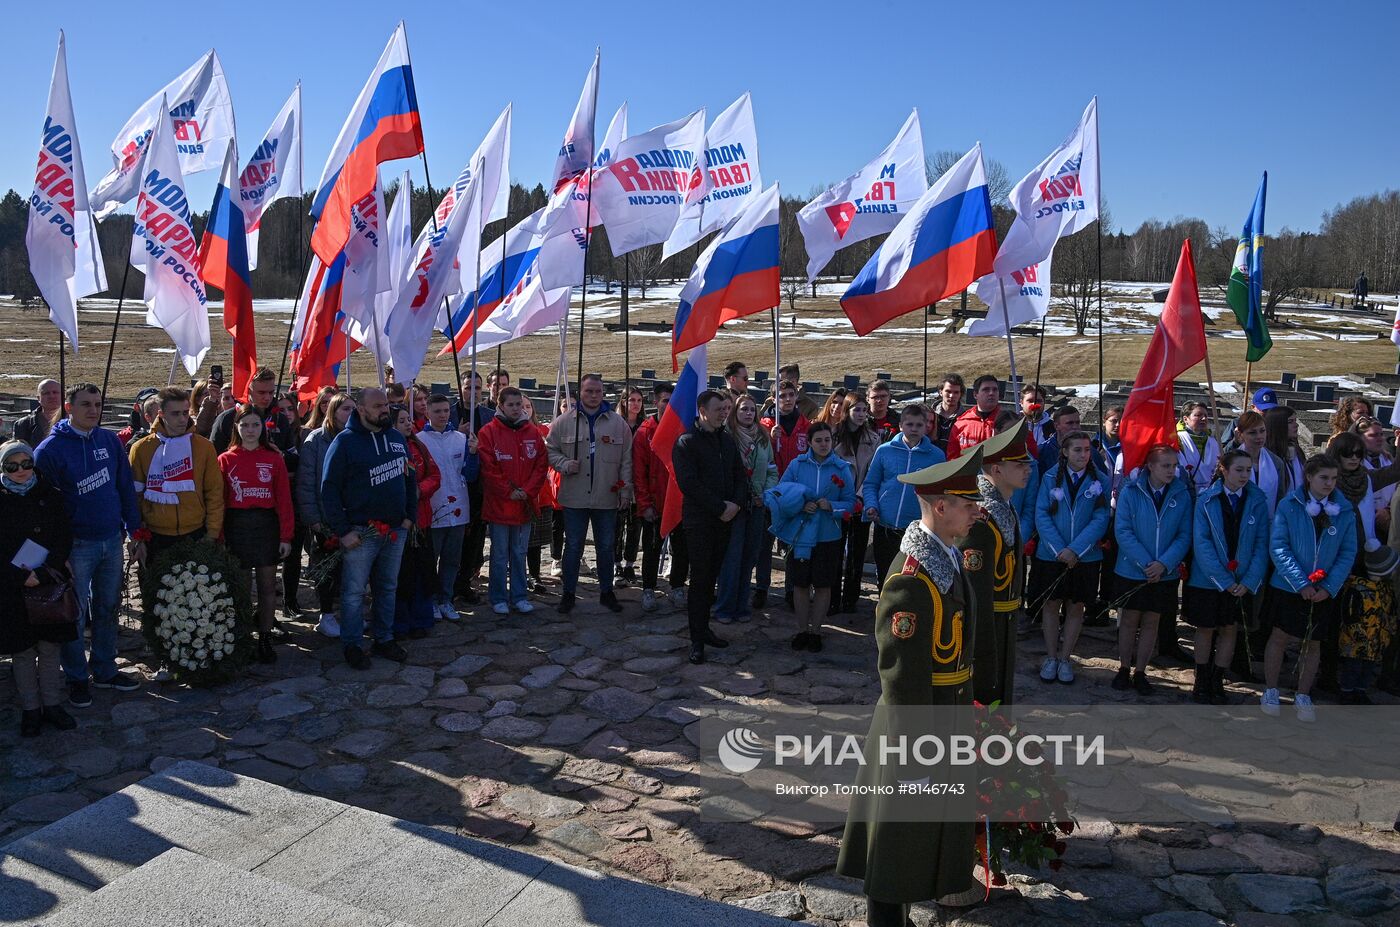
1098, 236
62, 367
562, 370
347, 360
446, 310
296, 307
174, 359
1248, 376
505, 228
925, 389
112, 345
1040, 353
588, 219
1006, 320
1210, 382
471, 408
626, 319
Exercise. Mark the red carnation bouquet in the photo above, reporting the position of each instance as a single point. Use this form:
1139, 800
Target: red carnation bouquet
326, 566
1033, 819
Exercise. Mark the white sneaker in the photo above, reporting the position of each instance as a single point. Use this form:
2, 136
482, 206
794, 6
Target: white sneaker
1304, 706
556, 569
1065, 673
1049, 669
448, 612
523, 607
501, 608
648, 600
328, 625
1268, 702
678, 597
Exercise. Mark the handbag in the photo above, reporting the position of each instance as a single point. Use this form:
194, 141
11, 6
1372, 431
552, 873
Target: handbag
52, 602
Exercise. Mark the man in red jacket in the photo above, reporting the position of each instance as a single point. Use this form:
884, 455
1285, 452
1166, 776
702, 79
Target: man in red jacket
978, 423
650, 477
514, 465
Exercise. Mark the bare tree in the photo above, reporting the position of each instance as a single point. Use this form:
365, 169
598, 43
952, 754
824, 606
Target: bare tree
999, 182
1076, 270
646, 266
1290, 264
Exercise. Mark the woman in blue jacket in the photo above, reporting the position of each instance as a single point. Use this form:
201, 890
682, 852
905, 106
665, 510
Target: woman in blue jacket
1153, 530
1071, 516
1313, 546
1229, 559
813, 531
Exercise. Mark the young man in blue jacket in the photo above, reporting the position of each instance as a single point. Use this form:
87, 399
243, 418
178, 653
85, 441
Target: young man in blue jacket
89, 464
365, 479
893, 505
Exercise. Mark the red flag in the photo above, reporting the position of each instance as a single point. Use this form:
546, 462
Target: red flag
1178, 344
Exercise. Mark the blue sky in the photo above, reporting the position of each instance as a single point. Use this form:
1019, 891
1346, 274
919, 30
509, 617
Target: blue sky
1195, 99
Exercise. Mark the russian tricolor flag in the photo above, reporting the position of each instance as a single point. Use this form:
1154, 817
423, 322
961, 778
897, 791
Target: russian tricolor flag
737, 275
504, 277
223, 259
383, 126
945, 243
321, 345
677, 420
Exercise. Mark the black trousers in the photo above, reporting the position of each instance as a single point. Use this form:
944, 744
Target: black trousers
651, 556
291, 568
474, 543
886, 549
629, 535
706, 541
855, 537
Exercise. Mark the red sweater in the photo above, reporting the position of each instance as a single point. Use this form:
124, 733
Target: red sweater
511, 458
787, 447
257, 479
970, 429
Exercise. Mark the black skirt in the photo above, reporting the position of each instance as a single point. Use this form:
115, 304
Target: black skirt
1080, 587
1297, 617
252, 535
1136, 595
1210, 608
819, 572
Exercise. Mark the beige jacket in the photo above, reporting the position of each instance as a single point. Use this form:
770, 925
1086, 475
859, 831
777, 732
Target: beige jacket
604, 477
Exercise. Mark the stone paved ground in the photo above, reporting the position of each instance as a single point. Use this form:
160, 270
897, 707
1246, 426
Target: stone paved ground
564, 736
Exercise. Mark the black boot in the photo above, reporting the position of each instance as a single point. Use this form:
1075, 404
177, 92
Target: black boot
885, 914
1218, 695
265, 652
1200, 690
56, 716
31, 721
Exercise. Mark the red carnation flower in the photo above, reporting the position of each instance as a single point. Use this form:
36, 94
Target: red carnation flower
141, 535
1317, 576
617, 487
840, 483
457, 512
1181, 570
332, 542
1034, 407
998, 879
1232, 566
451, 498
1029, 549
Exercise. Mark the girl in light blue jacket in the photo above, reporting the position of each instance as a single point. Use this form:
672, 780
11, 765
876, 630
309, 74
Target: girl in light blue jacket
827, 484
1313, 545
1229, 560
1071, 516
1153, 530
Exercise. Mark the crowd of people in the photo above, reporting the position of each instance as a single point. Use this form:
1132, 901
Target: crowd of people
1237, 531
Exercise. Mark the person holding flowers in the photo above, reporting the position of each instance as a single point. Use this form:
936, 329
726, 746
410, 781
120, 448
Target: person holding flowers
1313, 545
1230, 557
258, 520
1071, 518
817, 491
1153, 530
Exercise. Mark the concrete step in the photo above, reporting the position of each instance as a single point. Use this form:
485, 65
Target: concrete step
394, 870
179, 888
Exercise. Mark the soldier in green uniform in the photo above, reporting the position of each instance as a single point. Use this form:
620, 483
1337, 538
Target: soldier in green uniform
992, 559
924, 630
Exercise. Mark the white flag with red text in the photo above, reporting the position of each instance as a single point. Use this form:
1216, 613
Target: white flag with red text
639, 195
61, 236
164, 248
870, 202
729, 177
273, 171
201, 125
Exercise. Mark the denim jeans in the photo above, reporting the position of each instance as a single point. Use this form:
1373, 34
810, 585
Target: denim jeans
509, 544
97, 579
748, 538
447, 548
576, 523
374, 564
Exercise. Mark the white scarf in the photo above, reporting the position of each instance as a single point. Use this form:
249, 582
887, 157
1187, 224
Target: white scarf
171, 470
1201, 470
1265, 476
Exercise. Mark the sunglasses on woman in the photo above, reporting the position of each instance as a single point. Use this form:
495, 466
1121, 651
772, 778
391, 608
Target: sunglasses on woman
14, 466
